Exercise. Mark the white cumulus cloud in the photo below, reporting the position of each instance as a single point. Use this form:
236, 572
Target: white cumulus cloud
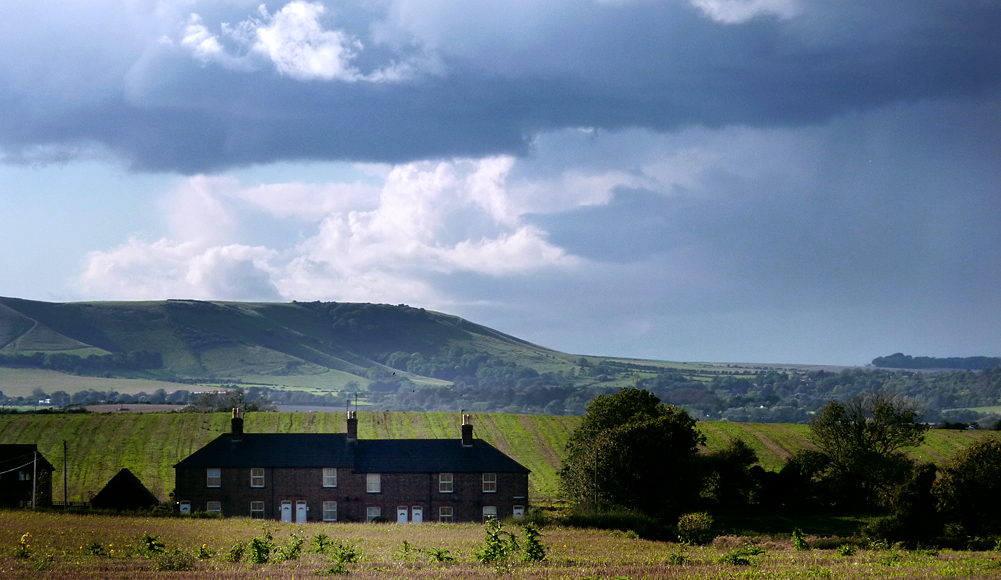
163, 269
740, 11
298, 45
296, 42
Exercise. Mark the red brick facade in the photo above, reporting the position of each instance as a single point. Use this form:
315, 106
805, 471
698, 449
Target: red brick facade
409, 487
414, 491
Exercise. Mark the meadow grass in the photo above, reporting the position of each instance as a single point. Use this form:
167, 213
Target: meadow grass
88, 546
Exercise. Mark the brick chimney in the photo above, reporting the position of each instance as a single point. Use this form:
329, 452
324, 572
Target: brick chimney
352, 426
467, 431
237, 432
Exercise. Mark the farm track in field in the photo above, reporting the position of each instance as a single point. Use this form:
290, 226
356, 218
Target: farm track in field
149, 444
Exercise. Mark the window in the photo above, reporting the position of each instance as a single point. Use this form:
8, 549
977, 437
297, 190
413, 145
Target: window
213, 477
214, 507
257, 510
373, 512
329, 477
489, 512
445, 514
330, 511
373, 482
257, 477
24, 476
445, 482
489, 483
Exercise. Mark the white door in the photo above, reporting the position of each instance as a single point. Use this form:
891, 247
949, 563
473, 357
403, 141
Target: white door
401, 514
519, 511
286, 511
300, 512
417, 514
185, 507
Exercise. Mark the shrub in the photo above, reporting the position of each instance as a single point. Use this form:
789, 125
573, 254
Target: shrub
150, 545
678, 556
345, 552
847, 550
498, 546
741, 556
291, 550
203, 553
695, 528
534, 550
622, 519
320, 544
235, 553
260, 550
173, 561
799, 540
438, 555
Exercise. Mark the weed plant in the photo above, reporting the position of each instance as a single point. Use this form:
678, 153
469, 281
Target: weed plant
799, 540
743, 556
174, 560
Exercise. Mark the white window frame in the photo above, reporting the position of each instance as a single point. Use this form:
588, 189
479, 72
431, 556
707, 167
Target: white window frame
257, 510
213, 507
330, 511
329, 477
489, 513
446, 483
373, 483
256, 477
213, 477
372, 512
446, 514
489, 483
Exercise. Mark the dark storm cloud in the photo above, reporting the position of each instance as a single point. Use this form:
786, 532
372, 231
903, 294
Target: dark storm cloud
658, 65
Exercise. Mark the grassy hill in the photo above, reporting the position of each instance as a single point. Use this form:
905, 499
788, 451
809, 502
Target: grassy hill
149, 444
240, 341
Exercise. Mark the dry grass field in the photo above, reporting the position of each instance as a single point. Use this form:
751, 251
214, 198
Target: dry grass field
95, 546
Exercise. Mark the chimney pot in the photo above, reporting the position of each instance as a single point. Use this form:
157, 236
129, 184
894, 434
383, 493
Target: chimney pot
467, 431
237, 431
352, 425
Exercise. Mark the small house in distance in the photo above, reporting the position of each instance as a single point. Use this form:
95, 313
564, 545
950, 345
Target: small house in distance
124, 492
23, 470
335, 477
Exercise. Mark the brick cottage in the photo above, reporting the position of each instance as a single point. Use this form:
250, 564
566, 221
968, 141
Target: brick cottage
335, 477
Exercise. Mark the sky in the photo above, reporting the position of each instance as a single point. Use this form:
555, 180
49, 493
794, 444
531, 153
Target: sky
779, 181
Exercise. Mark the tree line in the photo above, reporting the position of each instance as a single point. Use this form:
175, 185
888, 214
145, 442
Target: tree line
96, 363
632, 452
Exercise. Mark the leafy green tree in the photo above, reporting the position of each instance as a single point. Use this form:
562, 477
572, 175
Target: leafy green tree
728, 481
631, 450
969, 490
863, 439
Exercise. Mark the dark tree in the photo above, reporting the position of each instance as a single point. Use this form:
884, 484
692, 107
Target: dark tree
728, 480
639, 452
969, 491
862, 438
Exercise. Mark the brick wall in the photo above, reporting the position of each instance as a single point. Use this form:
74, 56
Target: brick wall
410, 490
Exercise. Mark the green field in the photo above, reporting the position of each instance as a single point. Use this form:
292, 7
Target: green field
149, 444
94, 546
15, 382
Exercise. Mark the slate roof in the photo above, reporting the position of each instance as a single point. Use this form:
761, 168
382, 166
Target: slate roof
14, 455
288, 450
124, 492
